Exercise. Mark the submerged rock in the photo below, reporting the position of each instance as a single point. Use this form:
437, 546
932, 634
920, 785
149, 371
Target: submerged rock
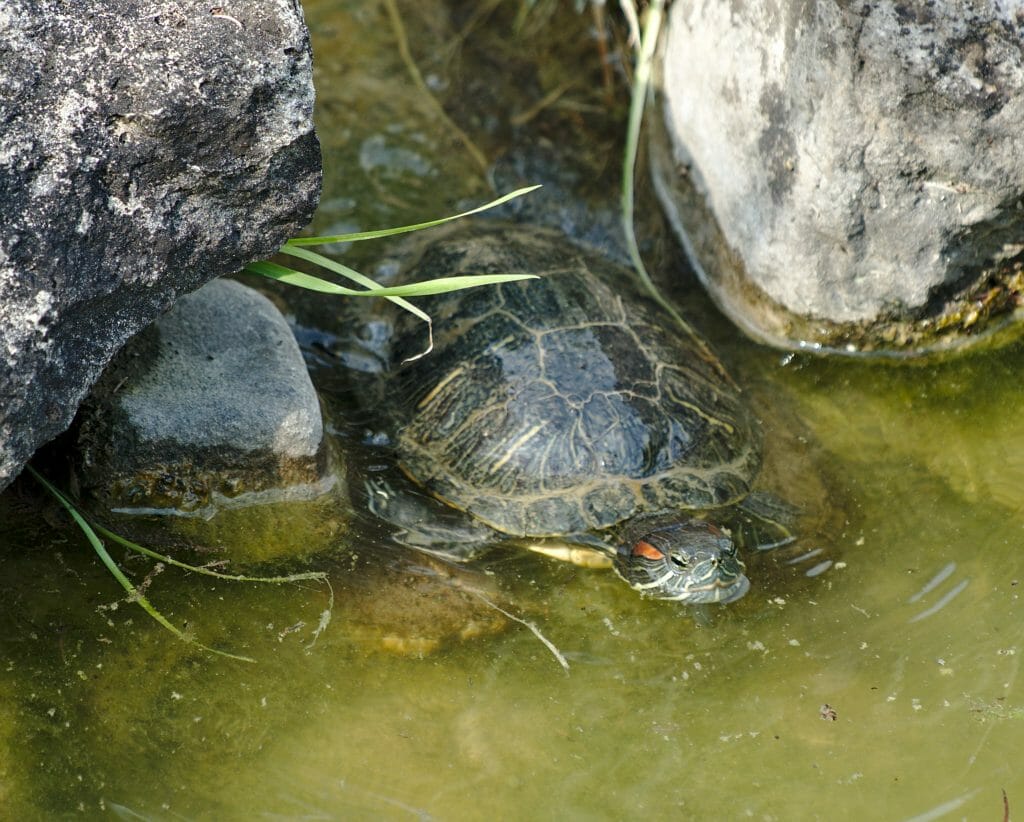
211, 408
416, 605
848, 176
145, 148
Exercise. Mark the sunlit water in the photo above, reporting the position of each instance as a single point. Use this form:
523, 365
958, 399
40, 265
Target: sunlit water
886, 687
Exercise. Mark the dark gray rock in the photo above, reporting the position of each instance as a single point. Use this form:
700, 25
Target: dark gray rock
848, 175
208, 408
145, 148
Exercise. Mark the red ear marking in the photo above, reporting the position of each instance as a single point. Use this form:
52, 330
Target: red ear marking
647, 551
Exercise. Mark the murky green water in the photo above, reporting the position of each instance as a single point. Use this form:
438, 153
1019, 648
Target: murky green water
913, 637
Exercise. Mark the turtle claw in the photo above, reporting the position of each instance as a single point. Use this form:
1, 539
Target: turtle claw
764, 522
575, 554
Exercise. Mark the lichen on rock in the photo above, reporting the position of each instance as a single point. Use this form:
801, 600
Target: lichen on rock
145, 148
848, 177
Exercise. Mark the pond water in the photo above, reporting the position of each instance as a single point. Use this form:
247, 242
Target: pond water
886, 687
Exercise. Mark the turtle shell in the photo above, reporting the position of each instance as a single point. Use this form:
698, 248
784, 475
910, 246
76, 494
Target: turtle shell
564, 404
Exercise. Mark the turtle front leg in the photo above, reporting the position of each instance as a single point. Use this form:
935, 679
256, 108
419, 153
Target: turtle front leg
425, 524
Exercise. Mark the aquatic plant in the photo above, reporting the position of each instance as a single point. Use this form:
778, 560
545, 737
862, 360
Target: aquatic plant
135, 594
295, 248
298, 248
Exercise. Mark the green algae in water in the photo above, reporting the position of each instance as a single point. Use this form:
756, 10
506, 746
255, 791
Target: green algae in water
734, 703
915, 642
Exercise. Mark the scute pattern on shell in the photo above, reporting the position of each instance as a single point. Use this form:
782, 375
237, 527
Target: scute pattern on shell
547, 408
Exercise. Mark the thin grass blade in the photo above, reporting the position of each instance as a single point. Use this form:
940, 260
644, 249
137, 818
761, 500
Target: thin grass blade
441, 285
351, 274
320, 576
444, 285
134, 593
391, 232
290, 276
641, 87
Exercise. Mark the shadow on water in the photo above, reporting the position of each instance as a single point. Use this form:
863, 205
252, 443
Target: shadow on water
884, 685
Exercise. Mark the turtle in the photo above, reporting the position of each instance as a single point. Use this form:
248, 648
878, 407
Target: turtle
568, 414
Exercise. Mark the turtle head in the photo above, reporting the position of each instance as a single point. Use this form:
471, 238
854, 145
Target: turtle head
685, 560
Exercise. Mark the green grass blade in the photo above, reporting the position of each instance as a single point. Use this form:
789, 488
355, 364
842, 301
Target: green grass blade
391, 232
638, 102
197, 569
290, 276
351, 274
441, 285
444, 285
134, 593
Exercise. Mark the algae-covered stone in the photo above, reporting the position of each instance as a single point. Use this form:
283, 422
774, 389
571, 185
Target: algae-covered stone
210, 410
388, 608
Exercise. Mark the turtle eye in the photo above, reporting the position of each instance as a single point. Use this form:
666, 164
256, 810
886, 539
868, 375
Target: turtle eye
647, 551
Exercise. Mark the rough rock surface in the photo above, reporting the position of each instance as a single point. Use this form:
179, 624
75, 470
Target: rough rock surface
211, 402
145, 148
851, 174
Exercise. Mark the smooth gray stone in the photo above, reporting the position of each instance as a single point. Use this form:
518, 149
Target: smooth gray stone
212, 402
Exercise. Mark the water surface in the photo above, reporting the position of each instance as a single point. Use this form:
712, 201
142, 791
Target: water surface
885, 686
